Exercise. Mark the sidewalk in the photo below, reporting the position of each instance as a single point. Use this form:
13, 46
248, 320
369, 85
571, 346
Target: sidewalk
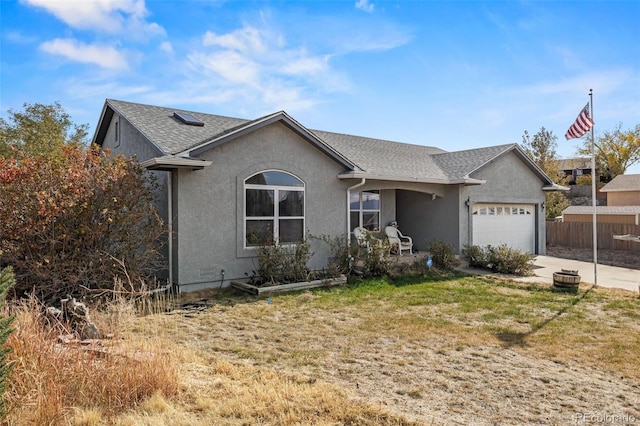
608, 276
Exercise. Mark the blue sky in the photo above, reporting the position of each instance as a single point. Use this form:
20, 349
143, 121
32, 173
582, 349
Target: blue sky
452, 74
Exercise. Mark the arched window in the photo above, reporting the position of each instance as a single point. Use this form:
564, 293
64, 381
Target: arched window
274, 208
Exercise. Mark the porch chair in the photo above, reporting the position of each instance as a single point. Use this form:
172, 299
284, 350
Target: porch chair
396, 239
364, 238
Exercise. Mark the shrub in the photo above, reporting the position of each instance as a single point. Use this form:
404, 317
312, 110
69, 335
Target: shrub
476, 255
502, 259
68, 223
376, 259
443, 255
280, 263
341, 254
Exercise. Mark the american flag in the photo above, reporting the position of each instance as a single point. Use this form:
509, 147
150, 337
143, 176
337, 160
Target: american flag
581, 126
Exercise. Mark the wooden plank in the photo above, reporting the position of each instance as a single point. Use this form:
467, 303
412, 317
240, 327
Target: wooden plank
580, 235
258, 290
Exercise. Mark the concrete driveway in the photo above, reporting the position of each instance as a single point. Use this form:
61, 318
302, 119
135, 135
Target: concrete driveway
608, 276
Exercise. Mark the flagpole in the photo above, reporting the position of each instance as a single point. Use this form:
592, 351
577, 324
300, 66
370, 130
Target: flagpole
593, 194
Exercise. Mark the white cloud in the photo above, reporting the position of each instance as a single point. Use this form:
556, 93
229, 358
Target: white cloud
101, 55
230, 66
364, 5
110, 16
307, 65
166, 47
247, 39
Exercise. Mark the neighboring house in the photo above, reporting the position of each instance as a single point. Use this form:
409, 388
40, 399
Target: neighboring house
623, 203
573, 168
226, 180
604, 214
623, 190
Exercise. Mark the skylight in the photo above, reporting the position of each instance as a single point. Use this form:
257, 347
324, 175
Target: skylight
187, 118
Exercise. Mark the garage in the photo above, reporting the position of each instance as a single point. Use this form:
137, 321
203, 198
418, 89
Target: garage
510, 224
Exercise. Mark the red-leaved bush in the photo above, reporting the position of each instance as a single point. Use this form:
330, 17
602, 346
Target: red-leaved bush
71, 223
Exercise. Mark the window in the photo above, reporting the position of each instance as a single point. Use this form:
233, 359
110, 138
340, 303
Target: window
365, 210
116, 133
274, 208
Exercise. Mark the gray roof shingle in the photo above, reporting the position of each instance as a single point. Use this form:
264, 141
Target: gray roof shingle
614, 210
377, 157
462, 163
169, 133
623, 183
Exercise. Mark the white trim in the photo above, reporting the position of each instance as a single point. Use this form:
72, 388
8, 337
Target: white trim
361, 208
275, 219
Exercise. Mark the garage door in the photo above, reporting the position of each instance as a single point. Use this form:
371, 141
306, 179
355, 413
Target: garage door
510, 224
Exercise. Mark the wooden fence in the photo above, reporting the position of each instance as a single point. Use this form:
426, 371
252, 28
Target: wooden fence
580, 235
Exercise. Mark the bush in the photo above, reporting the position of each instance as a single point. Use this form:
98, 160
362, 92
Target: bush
501, 259
279, 263
443, 255
476, 255
342, 255
69, 223
376, 259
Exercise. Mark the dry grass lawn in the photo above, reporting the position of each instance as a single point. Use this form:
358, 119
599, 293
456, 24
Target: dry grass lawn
433, 350
461, 350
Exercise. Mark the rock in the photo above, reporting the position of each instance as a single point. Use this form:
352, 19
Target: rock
89, 332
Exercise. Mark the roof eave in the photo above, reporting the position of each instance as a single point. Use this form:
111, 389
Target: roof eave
389, 178
104, 121
555, 187
170, 162
254, 125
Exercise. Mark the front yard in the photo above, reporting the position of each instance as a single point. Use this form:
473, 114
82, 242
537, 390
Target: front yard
407, 351
461, 350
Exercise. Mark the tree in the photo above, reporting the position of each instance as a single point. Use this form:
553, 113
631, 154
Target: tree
67, 225
615, 151
541, 148
39, 130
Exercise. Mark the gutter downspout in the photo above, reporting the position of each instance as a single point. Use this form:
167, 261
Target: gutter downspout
357, 185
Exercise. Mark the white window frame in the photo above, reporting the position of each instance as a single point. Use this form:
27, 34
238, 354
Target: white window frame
362, 210
276, 216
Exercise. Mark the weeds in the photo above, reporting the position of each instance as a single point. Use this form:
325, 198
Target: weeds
50, 378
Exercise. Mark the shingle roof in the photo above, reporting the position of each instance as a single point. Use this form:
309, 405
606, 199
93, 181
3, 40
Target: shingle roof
386, 158
623, 183
574, 163
615, 210
169, 133
376, 157
462, 163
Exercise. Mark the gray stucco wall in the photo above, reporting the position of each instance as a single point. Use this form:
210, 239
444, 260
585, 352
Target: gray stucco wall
509, 180
210, 203
426, 219
129, 143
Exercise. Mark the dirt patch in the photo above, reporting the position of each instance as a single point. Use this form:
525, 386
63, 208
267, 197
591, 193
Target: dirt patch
620, 258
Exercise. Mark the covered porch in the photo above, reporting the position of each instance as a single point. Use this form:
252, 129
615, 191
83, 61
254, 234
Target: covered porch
423, 211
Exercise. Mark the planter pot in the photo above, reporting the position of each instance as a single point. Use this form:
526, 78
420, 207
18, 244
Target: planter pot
243, 285
566, 280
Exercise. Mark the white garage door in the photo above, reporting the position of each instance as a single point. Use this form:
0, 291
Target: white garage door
510, 224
